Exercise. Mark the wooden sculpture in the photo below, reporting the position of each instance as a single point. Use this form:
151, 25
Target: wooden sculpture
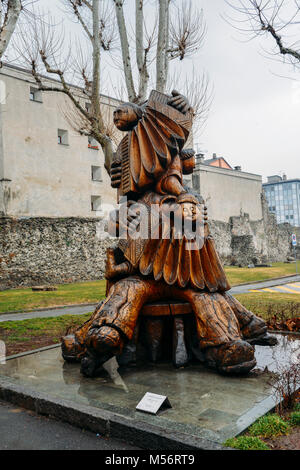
167, 292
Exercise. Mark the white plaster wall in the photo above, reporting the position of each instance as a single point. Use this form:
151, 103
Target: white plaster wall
230, 193
48, 179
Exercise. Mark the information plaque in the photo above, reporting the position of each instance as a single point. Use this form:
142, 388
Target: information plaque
153, 403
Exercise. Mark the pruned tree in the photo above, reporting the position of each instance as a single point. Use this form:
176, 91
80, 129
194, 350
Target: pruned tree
10, 11
43, 48
179, 34
276, 19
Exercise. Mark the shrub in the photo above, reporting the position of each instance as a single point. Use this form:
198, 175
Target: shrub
269, 426
295, 418
246, 443
286, 383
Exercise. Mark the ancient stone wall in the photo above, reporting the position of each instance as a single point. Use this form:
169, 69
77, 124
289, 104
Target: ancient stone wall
243, 241
50, 250
56, 250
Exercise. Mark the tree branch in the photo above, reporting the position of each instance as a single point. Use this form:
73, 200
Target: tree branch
161, 75
125, 50
11, 17
74, 5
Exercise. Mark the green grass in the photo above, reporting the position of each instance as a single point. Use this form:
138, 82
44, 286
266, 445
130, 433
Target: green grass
92, 292
38, 329
67, 294
270, 425
246, 443
238, 275
294, 418
267, 305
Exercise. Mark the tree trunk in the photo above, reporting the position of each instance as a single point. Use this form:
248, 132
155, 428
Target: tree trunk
125, 51
9, 24
96, 60
161, 69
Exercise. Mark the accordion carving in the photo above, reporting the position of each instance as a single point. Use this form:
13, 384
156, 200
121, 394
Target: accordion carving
146, 152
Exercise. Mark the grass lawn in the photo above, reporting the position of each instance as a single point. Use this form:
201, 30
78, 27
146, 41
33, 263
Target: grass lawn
20, 336
238, 275
67, 294
267, 305
270, 432
91, 292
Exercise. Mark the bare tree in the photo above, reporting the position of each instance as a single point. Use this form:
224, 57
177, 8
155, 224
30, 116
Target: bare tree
42, 45
9, 14
278, 19
180, 33
43, 48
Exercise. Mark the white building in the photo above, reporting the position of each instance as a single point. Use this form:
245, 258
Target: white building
228, 192
49, 170
46, 168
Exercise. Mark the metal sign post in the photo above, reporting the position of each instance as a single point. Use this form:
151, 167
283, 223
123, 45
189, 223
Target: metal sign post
294, 243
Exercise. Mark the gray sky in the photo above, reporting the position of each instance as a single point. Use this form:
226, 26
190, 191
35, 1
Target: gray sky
254, 120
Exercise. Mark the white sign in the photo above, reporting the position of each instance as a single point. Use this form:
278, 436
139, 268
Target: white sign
152, 403
294, 240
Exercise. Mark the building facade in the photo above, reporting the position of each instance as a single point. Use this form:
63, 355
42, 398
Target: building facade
49, 170
46, 168
228, 192
283, 197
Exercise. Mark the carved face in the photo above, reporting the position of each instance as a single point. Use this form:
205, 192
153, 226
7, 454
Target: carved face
190, 211
125, 118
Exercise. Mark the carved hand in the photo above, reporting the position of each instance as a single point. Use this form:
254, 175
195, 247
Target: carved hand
114, 270
179, 102
110, 264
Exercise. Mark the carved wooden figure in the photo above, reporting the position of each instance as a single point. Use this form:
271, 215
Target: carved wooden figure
167, 292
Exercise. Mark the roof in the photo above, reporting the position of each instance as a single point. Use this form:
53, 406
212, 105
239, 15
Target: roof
219, 161
294, 180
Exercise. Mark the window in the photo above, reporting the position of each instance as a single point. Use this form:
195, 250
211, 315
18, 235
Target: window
35, 95
93, 144
96, 173
95, 203
62, 137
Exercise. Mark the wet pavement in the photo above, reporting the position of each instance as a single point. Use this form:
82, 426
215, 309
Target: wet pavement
204, 403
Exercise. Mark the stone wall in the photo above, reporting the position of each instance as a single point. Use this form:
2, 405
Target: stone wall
37, 251
243, 241
55, 250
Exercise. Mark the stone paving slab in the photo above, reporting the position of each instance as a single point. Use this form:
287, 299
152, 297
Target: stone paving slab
207, 408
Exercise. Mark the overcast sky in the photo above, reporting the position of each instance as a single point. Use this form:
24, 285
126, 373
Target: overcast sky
255, 117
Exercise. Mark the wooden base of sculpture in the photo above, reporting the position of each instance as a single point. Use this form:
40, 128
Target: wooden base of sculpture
213, 328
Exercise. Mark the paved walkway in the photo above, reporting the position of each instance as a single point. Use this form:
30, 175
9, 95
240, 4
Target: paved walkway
291, 288
80, 310
24, 430
265, 285
54, 312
